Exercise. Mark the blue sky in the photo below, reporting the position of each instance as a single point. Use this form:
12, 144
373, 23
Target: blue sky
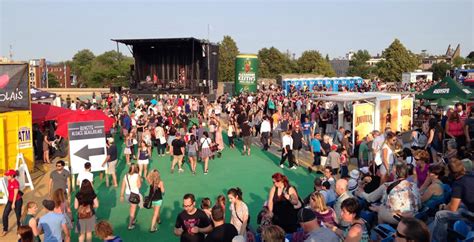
56, 30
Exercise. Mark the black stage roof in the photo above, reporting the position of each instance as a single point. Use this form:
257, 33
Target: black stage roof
151, 41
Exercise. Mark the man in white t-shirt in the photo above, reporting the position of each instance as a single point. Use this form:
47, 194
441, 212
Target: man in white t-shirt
85, 175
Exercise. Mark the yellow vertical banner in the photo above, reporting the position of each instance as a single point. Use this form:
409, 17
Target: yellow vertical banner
363, 121
407, 114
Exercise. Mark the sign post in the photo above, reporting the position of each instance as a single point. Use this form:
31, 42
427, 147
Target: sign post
87, 144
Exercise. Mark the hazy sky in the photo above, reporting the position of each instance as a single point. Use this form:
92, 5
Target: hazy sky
56, 30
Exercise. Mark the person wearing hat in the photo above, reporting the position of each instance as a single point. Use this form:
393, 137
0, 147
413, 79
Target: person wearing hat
311, 228
111, 161
15, 200
353, 182
334, 159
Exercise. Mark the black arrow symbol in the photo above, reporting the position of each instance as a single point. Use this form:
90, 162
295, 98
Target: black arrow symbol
85, 152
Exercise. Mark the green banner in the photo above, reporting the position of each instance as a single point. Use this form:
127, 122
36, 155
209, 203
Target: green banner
246, 73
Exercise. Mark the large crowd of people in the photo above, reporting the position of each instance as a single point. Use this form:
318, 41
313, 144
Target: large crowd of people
418, 189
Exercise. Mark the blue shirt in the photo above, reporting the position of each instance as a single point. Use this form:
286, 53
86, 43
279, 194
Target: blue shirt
127, 122
116, 239
307, 127
316, 145
51, 224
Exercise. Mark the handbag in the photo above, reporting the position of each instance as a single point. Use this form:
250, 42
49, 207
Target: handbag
133, 198
214, 148
147, 201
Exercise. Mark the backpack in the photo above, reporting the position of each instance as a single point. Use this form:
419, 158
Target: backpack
84, 211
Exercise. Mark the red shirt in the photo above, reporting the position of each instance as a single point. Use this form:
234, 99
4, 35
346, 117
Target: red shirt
12, 185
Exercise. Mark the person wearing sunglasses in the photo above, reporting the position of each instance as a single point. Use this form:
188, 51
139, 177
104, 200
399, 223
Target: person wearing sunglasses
59, 179
417, 232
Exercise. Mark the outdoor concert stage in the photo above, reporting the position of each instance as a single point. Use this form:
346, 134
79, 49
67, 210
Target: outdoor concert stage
173, 65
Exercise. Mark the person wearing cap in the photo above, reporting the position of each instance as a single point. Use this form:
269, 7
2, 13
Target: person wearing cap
111, 161
54, 224
353, 181
15, 200
334, 159
313, 231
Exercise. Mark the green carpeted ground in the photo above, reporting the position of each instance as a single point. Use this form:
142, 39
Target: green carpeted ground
252, 174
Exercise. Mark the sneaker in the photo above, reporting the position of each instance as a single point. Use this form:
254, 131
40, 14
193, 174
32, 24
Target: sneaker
310, 169
282, 166
180, 170
131, 227
293, 168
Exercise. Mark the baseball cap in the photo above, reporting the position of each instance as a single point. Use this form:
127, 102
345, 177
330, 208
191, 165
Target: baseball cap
10, 173
334, 147
306, 215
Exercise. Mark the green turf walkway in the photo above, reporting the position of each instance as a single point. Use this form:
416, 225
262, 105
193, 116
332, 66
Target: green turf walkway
251, 173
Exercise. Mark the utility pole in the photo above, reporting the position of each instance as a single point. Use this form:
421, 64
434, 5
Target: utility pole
208, 58
11, 53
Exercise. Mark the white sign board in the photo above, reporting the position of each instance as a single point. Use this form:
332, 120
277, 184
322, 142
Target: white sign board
87, 144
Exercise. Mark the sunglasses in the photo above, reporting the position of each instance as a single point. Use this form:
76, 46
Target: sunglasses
401, 236
59, 166
187, 206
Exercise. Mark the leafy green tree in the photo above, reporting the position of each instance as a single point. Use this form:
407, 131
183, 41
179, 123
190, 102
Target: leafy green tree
311, 61
470, 57
439, 70
227, 52
81, 65
358, 65
109, 69
53, 82
459, 61
397, 60
273, 62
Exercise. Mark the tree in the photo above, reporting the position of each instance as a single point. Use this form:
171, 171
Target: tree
358, 65
439, 70
311, 61
109, 69
470, 57
53, 82
227, 52
81, 65
273, 62
397, 60
459, 61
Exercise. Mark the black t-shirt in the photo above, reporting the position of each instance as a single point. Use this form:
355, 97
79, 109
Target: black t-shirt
177, 145
461, 189
222, 233
241, 119
284, 125
297, 136
186, 221
112, 151
245, 129
140, 123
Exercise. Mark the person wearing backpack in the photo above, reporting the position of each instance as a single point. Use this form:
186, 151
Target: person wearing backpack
85, 203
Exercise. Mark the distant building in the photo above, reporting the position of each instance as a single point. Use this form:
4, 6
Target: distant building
340, 67
62, 73
374, 60
350, 55
38, 73
448, 57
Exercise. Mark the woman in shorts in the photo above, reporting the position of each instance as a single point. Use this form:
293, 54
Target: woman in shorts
157, 189
206, 152
192, 149
131, 183
143, 158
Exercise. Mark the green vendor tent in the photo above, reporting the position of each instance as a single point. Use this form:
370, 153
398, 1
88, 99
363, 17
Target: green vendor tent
448, 89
